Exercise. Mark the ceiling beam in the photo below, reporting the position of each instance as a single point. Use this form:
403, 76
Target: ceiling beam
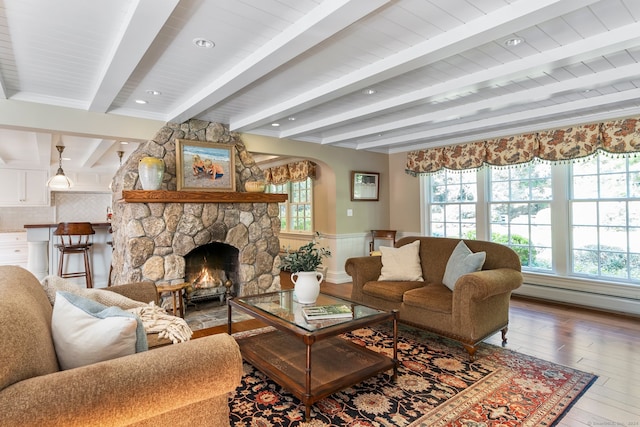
99, 147
500, 23
591, 81
592, 47
324, 21
43, 150
146, 19
516, 119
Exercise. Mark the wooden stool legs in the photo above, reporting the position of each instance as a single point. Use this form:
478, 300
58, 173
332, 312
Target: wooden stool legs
87, 266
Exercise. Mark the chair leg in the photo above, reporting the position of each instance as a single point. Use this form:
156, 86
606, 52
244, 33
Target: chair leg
87, 270
60, 263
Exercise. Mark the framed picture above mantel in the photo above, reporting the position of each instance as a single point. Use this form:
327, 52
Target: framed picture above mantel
365, 186
205, 166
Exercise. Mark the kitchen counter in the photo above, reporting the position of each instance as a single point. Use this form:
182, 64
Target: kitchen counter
44, 256
95, 224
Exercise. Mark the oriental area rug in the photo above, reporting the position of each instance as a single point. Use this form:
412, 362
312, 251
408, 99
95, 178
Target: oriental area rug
437, 386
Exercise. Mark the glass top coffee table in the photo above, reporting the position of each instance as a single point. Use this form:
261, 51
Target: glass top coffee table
307, 357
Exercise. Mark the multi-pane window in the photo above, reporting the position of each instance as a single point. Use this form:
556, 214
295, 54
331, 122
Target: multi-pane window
605, 217
296, 214
593, 221
453, 197
520, 212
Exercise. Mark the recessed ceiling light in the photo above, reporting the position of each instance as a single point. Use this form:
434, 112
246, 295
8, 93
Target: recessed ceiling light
123, 143
369, 91
203, 43
140, 101
291, 119
515, 41
153, 92
275, 125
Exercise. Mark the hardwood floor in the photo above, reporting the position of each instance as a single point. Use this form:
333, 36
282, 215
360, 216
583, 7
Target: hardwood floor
592, 341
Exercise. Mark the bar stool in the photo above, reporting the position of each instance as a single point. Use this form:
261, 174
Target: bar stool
75, 239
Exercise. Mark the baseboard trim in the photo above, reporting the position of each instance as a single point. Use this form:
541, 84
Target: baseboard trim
585, 299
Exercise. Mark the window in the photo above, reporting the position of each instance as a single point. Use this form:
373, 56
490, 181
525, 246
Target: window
453, 197
520, 212
605, 217
578, 220
296, 214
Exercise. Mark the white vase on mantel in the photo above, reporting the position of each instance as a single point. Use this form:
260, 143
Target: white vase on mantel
306, 286
151, 173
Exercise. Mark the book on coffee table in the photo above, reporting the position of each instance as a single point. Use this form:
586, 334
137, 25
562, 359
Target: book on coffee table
336, 311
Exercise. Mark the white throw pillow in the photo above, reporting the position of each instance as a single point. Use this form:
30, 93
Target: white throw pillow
462, 261
401, 263
86, 332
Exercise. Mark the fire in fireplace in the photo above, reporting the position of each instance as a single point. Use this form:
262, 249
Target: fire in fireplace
212, 272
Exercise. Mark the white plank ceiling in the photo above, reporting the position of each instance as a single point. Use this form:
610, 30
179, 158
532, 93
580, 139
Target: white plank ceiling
439, 71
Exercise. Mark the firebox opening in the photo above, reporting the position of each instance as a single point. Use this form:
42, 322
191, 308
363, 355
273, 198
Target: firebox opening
212, 271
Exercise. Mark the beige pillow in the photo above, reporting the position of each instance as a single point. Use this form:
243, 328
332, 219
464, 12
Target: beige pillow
401, 263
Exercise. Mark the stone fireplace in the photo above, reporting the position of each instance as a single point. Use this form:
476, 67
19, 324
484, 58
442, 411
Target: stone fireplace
164, 236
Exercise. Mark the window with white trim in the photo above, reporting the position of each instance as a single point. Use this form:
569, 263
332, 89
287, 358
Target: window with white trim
296, 214
520, 212
605, 217
452, 207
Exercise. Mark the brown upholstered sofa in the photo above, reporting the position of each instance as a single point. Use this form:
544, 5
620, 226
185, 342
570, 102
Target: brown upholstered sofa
186, 384
478, 306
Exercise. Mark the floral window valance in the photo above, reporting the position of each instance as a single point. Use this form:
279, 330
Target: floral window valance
291, 172
618, 136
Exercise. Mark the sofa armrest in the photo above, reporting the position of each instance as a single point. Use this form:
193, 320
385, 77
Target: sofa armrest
127, 389
139, 291
362, 270
486, 283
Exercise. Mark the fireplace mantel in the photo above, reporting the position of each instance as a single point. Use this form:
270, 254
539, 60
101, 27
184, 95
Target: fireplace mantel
165, 196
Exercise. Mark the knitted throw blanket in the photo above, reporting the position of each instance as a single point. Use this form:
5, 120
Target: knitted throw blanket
154, 319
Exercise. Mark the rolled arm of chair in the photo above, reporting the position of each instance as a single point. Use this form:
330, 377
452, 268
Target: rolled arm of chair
127, 389
362, 270
486, 283
139, 291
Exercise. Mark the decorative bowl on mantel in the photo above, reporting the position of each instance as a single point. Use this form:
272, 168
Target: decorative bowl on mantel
255, 186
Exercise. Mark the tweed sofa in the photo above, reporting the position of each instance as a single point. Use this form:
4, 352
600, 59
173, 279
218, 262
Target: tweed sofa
477, 307
186, 384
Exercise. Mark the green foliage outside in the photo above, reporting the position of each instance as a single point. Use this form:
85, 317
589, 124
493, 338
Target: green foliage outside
519, 244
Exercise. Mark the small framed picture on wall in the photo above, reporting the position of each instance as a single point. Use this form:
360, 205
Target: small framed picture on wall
365, 186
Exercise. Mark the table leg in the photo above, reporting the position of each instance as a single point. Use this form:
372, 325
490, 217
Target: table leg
395, 345
175, 301
307, 405
229, 316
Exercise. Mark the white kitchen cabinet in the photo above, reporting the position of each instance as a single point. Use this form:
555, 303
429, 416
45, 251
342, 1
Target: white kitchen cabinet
23, 187
13, 249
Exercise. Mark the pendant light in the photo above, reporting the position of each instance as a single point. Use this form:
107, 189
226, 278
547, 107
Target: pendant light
59, 181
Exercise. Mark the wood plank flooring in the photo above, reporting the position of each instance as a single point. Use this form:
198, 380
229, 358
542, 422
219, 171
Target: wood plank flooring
605, 344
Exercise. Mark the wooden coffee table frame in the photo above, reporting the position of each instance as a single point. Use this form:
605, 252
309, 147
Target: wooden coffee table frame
313, 365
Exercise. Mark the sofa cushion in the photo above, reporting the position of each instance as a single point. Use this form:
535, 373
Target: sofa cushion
433, 297
86, 332
462, 261
389, 290
401, 263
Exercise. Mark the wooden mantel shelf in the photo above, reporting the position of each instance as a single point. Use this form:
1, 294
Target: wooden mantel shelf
164, 196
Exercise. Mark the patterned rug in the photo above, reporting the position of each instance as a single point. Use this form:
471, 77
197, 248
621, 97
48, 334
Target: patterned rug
436, 386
